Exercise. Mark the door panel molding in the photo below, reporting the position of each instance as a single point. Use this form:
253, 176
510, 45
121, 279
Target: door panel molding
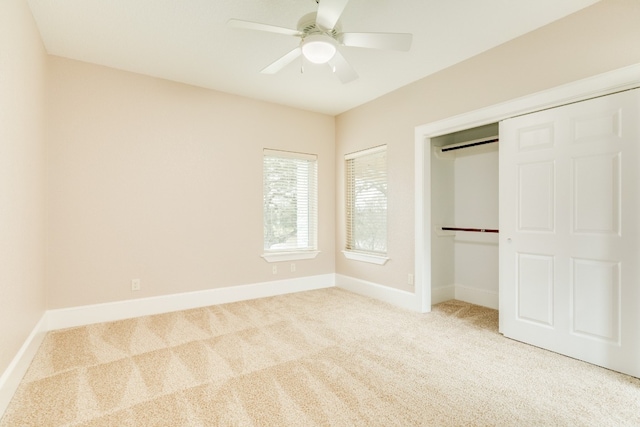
595, 301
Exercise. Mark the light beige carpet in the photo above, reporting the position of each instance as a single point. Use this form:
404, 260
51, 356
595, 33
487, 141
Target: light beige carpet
320, 358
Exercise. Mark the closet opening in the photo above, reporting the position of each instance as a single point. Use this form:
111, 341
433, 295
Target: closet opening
464, 215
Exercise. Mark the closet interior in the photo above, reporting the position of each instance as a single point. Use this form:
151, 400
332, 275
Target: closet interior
464, 212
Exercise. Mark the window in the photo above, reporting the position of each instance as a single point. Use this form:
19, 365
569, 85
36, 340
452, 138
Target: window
290, 211
366, 204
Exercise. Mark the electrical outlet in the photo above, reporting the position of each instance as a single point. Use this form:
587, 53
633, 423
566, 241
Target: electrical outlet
274, 269
410, 279
293, 267
135, 284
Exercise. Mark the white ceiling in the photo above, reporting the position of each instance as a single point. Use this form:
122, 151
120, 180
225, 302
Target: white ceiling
188, 41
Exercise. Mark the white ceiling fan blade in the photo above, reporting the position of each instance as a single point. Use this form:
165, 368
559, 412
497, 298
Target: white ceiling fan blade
329, 12
248, 25
342, 68
390, 41
282, 62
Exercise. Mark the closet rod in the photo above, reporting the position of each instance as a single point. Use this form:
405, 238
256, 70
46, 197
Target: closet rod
475, 230
470, 144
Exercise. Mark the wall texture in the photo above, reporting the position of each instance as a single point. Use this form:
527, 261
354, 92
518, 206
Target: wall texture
600, 38
162, 182
22, 185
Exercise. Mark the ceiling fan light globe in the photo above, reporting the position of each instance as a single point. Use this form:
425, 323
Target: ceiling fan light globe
319, 49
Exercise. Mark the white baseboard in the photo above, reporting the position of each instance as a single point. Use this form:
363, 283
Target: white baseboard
397, 297
10, 379
477, 296
442, 294
108, 312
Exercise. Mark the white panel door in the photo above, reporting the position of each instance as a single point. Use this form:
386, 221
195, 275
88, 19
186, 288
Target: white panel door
569, 230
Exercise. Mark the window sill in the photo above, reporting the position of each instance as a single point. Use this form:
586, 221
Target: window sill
370, 258
289, 256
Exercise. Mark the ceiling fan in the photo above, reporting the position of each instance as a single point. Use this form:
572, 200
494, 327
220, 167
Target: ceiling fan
320, 37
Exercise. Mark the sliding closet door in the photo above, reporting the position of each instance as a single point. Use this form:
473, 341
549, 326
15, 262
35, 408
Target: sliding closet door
569, 227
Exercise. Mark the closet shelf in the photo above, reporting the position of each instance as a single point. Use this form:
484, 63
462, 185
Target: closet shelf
473, 230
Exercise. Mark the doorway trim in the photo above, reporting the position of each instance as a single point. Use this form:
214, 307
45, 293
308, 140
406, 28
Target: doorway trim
602, 84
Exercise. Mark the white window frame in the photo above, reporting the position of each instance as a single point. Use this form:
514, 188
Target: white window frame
307, 217
373, 257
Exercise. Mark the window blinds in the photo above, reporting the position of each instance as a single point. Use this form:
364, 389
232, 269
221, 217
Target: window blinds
366, 203
290, 194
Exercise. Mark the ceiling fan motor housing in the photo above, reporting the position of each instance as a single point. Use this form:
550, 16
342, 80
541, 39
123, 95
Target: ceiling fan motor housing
308, 26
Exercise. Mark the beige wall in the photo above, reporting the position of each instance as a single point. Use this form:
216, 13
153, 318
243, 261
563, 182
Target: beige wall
600, 38
161, 181
22, 157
